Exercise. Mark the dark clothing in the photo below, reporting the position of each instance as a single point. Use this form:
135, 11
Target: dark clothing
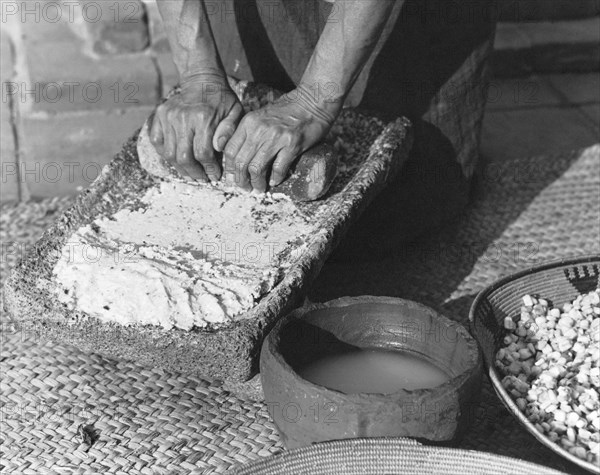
430, 66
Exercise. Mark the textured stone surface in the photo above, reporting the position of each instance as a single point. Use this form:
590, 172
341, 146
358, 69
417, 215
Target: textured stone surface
67, 151
230, 353
58, 53
564, 32
566, 46
536, 10
521, 133
577, 88
122, 27
64, 76
592, 112
512, 93
9, 179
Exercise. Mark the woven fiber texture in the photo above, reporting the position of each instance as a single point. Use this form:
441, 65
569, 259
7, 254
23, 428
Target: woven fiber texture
383, 455
525, 212
154, 422
145, 420
563, 282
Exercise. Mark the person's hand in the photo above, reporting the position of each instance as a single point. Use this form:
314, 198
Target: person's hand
191, 126
267, 141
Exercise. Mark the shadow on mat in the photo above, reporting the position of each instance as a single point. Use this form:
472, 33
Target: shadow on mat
433, 270
430, 268
437, 269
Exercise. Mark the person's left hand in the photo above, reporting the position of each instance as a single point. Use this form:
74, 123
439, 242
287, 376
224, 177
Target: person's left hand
267, 141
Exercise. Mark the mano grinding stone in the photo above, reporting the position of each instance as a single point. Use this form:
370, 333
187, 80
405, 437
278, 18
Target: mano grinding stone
309, 179
311, 175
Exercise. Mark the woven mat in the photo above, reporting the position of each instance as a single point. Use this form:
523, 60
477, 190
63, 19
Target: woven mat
398, 456
152, 422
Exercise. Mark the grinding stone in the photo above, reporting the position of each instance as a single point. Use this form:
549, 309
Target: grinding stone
228, 353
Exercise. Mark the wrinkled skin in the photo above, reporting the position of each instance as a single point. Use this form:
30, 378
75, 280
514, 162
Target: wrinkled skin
189, 128
267, 141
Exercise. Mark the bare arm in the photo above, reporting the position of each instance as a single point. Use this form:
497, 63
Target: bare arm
190, 37
191, 126
347, 41
267, 141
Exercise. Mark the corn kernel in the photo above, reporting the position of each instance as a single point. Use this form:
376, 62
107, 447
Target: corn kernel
550, 359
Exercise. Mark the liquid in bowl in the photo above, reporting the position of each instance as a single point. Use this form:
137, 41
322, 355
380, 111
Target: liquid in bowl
373, 371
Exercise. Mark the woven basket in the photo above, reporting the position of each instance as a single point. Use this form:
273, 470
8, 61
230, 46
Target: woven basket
558, 282
375, 456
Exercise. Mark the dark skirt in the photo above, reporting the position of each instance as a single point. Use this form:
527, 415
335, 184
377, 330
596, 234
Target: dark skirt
430, 66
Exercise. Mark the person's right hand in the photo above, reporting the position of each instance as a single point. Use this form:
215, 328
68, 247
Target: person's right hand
191, 126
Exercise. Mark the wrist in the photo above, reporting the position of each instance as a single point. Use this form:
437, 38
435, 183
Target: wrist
322, 100
205, 86
203, 75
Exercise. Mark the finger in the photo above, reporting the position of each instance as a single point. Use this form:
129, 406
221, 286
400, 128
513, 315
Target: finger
242, 161
156, 133
185, 156
168, 136
226, 128
170, 142
281, 166
205, 154
230, 153
184, 172
259, 167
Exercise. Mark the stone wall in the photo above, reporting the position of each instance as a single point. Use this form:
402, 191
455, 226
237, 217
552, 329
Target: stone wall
547, 10
80, 76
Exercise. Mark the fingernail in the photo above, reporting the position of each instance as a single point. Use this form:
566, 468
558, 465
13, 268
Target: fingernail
221, 142
229, 178
209, 169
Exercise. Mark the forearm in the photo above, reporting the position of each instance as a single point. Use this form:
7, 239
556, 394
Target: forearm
347, 41
191, 38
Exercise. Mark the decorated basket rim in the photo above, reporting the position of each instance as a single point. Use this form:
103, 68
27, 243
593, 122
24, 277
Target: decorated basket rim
495, 376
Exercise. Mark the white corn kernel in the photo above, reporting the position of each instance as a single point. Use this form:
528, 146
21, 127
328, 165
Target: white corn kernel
550, 361
528, 301
509, 323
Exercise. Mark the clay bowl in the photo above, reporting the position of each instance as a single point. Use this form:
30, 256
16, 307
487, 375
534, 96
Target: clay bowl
304, 412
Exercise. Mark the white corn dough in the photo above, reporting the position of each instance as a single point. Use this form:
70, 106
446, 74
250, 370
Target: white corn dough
190, 256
